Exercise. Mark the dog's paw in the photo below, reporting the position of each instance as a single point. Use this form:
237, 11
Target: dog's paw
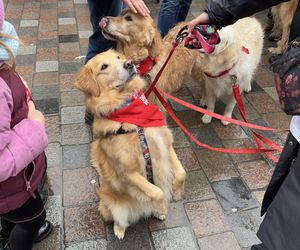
225, 123
206, 119
159, 216
119, 231
247, 89
275, 51
177, 193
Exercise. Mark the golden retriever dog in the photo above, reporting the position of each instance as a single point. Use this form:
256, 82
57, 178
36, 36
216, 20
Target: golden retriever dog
138, 38
109, 81
238, 54
282, 15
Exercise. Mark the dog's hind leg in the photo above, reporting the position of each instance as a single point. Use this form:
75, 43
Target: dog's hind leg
179, 176
105, 212
155, 194
230, 103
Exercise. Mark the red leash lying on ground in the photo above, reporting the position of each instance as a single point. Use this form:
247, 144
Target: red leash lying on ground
207, 43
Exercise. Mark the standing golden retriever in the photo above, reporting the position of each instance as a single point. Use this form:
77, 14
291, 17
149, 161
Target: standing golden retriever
109, 81
138, 38
282, 17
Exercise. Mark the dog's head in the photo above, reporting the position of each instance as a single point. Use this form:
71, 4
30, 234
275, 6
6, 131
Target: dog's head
137, 36
108, 80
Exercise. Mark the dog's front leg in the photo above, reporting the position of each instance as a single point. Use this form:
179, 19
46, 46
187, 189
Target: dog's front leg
230, 103
179, 176
155, 194
211, 101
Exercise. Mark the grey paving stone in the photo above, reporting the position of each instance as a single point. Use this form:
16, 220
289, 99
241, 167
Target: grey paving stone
68, 38
80, 1
207, 135
72, 98
27, 50
75, 134
54, 155
180, 140
233, 194
48, 106
261, 122
180, 238
54, 210
24, 31
76, 156
197, 186
272, 92
224, 241
29, 23
41, 92
70, 67
47, 6
98, 244
84, 34
46, 66
65, 14
245, 224
25, 59
66, 20
47, 43
72, 114
255, 87
137, 237
52, 242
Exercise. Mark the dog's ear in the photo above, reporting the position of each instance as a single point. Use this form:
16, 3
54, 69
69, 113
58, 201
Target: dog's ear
86, 82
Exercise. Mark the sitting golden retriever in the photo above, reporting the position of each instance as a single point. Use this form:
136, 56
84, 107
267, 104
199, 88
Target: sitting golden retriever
109, 83
138, 39
282, 15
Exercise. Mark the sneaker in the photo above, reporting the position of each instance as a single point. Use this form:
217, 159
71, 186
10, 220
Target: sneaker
258, 247
44, 231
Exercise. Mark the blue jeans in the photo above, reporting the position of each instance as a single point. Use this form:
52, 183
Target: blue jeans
99, 9
172, 12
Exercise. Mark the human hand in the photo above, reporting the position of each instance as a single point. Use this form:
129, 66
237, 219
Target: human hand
34, 114
202, 19
138, 6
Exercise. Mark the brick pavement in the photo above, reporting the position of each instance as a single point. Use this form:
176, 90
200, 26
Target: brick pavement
220, 210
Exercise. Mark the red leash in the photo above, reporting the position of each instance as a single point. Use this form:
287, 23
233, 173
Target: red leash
258, 138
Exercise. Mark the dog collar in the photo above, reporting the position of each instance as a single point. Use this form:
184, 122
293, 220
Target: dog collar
146, 65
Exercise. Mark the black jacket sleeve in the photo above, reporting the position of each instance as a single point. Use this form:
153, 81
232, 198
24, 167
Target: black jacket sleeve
226, 12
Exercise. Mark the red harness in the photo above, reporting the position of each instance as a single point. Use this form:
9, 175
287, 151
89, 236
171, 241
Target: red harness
145, 66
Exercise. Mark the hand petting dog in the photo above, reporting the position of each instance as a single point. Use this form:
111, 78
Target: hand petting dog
138, 6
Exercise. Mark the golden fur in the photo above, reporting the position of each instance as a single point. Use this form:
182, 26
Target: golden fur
282, 18
229, 55
108, 81
137, 38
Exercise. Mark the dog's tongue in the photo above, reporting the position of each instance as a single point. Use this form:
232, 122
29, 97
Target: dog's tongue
103, 23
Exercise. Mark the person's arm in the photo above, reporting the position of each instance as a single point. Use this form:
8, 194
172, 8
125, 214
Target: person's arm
21, 144
225, 12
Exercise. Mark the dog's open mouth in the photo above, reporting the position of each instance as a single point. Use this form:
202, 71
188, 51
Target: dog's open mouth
108, 35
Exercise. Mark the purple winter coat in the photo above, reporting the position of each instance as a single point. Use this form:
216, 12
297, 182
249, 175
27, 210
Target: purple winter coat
22, 142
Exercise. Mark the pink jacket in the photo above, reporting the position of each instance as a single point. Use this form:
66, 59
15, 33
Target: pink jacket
21, 144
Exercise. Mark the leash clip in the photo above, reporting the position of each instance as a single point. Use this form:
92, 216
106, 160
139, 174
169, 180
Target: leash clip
233, 79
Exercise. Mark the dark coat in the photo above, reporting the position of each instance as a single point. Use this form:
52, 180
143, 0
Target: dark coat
226, 12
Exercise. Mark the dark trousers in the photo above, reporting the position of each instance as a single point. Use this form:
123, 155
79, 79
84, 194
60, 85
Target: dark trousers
99, 9
21, 225
295, 26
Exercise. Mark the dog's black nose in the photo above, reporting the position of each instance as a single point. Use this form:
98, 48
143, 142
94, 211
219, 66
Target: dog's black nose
128, 64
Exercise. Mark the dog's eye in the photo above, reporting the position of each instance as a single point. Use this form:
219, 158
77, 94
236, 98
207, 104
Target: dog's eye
104, 66
118, 57
128, 18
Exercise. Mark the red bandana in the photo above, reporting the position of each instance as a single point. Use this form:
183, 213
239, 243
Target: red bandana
139, 112
145, 66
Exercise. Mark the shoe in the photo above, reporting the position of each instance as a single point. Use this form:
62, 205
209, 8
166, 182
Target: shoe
258, 247
88, 118
44, 231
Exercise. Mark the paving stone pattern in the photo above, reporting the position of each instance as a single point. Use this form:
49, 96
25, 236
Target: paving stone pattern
220, 210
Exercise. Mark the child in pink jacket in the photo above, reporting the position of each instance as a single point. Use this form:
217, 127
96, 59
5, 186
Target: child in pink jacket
22, 160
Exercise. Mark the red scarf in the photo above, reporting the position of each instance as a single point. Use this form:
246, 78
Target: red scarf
139, 112
145, 66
